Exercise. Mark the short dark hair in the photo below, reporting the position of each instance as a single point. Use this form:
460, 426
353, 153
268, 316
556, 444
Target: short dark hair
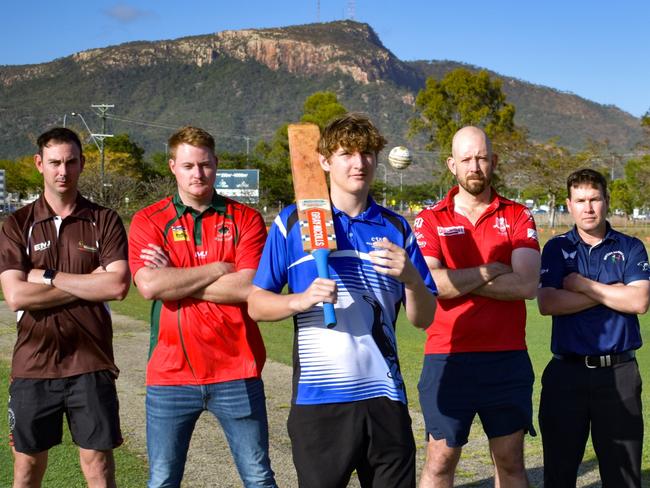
194, 136
586, 176
353, 132
62, 135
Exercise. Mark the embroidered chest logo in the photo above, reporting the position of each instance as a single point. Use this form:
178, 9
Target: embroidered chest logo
179, 233
224, 231
455, 230
42, 246
568, 255
614, 257
86, 247
417, 223
373, 239
501, 225
201, 254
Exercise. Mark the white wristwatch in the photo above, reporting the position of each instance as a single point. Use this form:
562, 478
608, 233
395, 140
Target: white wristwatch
48, 276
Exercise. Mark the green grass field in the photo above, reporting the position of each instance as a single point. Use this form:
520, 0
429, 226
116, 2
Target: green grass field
278, 338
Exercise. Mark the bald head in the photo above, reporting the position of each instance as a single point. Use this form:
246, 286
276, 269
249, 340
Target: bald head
472, 161
470, 135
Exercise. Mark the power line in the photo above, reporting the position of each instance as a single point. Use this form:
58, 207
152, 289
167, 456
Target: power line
174, 127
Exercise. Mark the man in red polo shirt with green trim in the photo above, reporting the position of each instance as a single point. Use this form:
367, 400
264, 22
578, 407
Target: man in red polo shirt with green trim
195, 255
483, 254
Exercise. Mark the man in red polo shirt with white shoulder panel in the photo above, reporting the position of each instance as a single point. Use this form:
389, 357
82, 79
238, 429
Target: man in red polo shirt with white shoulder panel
195, 255
483, 254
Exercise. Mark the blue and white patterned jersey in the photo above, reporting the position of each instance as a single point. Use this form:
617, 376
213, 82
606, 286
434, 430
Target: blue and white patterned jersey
356, 359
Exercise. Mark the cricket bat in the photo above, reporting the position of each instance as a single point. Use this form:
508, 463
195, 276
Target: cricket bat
312, 201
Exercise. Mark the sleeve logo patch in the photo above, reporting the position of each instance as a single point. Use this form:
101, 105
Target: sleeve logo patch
531, 233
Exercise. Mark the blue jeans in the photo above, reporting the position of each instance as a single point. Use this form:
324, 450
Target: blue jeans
240, 408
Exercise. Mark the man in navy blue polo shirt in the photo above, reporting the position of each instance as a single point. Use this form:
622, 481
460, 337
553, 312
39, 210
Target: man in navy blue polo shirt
594, 282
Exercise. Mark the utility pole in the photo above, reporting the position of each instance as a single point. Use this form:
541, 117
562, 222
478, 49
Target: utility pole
248, 146
102, 109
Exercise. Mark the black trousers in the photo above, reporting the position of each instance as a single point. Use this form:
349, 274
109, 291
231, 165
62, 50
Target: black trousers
606, 401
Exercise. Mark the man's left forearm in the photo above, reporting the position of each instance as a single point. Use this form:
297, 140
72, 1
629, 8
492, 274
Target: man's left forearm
509, 286
632, 298
229, 288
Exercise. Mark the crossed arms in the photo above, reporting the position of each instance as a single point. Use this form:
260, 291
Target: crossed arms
26, 290
580, 293
493, 280
216, 282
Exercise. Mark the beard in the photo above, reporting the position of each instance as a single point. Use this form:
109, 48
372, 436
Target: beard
475, 184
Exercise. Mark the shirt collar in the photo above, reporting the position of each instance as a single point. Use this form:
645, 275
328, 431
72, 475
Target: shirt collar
218, 204
372, 213
82, 209
610, 234
448, 202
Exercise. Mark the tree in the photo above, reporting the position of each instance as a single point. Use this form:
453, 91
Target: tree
621, 197
321, 107
645, 125
121, 156
21, 176
461, 98
273, 156
542, 169
637, 177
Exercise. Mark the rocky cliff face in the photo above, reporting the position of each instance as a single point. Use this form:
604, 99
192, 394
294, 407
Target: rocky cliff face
344, 47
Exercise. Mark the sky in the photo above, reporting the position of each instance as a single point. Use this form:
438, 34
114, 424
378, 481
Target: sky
598, 49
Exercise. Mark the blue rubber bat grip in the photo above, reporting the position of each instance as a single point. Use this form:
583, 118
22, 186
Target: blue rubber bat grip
320, 256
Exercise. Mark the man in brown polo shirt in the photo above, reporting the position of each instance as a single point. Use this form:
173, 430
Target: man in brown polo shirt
61, 258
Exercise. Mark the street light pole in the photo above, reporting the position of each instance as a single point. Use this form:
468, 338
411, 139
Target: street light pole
401, 200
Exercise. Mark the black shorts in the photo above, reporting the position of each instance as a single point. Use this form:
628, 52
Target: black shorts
454, 388
330, 441
89, 402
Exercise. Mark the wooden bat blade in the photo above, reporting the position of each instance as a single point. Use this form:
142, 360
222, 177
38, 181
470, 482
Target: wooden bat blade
312, 201
310, 186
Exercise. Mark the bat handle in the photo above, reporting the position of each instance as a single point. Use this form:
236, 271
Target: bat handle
320, 256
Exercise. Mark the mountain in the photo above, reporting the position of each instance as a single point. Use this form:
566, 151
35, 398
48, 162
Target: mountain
241, 85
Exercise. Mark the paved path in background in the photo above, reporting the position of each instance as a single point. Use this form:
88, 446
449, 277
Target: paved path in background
209, 461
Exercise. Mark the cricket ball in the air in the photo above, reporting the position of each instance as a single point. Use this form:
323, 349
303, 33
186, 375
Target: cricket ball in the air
400, 157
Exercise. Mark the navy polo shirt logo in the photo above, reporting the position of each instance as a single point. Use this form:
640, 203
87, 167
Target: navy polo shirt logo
614, 257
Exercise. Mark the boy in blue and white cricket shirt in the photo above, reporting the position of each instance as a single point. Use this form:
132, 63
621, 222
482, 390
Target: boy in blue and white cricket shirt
349, 410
